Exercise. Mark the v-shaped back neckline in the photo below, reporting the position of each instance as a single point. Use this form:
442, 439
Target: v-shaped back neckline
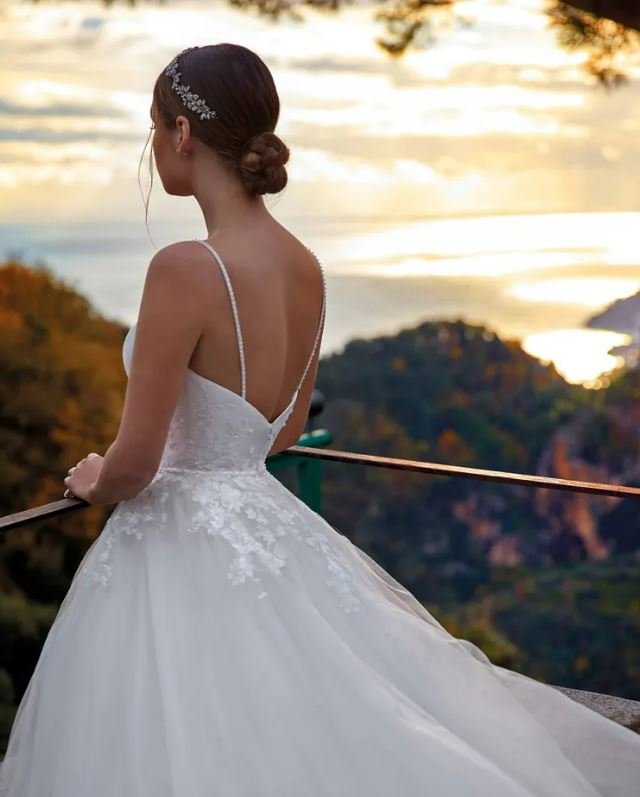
242, 398
236, 320
245, 401
230, 392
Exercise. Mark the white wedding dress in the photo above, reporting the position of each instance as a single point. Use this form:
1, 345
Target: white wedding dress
221, 639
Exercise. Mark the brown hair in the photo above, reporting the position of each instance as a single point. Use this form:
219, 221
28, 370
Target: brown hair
236, 84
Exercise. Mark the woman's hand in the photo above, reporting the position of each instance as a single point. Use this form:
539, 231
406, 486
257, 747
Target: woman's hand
82, 477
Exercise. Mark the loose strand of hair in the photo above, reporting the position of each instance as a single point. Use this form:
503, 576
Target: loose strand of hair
146, 199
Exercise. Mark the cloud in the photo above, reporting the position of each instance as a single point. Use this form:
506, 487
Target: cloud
42, 135
92, 23
399, 73
79, 110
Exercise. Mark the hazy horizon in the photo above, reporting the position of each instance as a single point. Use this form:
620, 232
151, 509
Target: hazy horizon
484, 177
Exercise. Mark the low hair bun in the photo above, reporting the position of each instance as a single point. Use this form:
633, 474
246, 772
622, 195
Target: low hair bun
261, 164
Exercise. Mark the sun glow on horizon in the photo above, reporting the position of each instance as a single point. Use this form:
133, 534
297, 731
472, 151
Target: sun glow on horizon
580, 355
588, 292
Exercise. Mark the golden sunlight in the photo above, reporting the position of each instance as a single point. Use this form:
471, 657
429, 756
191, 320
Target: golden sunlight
580, 355
588, 292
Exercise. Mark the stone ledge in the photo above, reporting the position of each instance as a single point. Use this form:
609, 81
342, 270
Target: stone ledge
619, 709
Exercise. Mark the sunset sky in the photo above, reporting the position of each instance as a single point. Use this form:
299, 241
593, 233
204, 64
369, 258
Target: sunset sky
484, 177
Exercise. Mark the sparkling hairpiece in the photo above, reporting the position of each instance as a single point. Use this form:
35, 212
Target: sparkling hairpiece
192, 101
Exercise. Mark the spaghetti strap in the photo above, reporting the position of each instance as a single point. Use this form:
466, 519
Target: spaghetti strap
234, 307
320, 323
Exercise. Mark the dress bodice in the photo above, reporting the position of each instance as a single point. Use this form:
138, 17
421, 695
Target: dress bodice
214, 428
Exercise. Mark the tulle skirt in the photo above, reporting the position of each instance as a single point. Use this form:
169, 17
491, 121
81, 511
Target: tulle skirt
226, 641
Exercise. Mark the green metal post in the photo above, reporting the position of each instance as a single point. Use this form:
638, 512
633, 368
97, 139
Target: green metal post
309, 471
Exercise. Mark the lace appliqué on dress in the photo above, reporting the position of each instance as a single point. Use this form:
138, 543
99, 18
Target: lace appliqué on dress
241, 508
144, 511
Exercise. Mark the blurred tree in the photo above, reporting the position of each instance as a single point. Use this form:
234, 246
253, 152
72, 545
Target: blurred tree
605, 29
609, 39
626, 12
413, 23
61, 390
609, 44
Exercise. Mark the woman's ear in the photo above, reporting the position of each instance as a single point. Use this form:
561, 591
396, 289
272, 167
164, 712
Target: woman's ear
184, 135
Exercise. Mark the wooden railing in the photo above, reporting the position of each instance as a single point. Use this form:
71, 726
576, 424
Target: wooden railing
435, 469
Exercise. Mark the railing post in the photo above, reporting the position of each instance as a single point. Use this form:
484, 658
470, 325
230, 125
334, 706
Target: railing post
309, 471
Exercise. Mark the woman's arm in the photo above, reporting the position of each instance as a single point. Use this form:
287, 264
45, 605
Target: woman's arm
170, 323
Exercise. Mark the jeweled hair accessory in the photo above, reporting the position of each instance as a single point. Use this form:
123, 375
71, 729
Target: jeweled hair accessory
192, 101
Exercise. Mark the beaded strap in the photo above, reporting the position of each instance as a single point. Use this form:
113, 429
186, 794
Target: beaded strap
236, 320
322, 314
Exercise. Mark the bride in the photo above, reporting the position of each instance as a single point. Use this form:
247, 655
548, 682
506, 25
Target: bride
220, 638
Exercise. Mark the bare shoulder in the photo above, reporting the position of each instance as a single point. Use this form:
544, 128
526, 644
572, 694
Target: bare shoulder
179, 276
258, 249
180, 262
188, 266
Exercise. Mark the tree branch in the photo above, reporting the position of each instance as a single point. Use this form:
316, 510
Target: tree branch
626, 12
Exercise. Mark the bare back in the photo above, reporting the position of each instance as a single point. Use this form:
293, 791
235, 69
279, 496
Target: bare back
278, 289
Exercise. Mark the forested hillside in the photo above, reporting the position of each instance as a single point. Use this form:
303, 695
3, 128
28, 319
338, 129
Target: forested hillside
61, 390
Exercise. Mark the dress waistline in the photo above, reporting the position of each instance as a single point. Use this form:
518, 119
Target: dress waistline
260, 468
